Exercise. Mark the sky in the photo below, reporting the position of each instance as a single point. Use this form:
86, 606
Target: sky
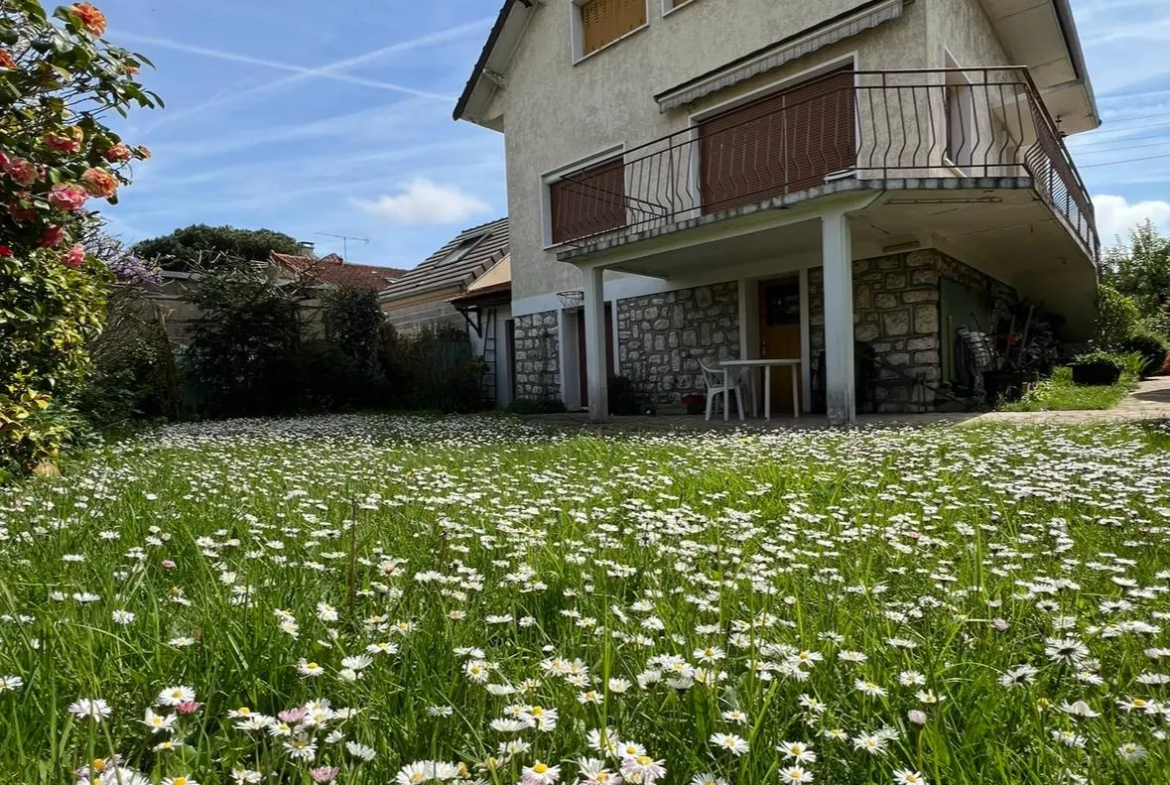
333, 117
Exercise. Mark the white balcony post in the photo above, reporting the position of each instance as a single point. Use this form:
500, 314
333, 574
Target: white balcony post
595, 353
839, 364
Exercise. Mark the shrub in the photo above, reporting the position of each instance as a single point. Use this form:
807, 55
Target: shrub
527, 407
434, 368
327, 379
243, 347
1151, 347
353, 322
624, 398
47, 313
1117, 317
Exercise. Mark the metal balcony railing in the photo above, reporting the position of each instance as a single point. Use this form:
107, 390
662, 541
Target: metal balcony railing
920, 125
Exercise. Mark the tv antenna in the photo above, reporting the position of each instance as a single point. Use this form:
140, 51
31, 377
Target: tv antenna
345, 242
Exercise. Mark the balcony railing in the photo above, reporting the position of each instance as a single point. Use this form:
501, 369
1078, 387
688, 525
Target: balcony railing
925, 125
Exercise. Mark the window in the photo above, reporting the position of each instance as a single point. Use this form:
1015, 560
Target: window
459, 251
961, 134
588, 202
605, 21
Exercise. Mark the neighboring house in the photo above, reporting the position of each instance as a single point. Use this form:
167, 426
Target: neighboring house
780, 178
445, 290
317, 274
334, 272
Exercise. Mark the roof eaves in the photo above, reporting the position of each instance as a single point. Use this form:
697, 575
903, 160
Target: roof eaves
481, 63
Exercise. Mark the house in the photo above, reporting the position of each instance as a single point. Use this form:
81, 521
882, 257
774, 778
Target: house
334, 272
466, 284
840, 182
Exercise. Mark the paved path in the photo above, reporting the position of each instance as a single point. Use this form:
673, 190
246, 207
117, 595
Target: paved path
1151, 401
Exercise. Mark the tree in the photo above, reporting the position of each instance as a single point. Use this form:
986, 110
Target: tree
193, 245
1140, 270
58, 79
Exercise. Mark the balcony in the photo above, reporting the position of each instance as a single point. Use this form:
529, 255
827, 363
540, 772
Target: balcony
981, 131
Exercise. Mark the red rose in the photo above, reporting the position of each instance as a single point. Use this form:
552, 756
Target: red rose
74, 257
5, 250
23, 172
52, 237
68, 197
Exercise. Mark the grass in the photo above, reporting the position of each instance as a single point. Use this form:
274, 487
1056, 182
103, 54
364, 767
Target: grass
377, 599
1059, 393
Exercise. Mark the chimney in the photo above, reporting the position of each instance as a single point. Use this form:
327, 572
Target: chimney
308, 249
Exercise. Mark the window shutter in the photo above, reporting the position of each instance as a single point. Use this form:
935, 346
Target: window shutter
590, 202
779, 144
605, 21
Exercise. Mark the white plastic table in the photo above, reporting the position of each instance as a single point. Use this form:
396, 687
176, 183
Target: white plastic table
767, 366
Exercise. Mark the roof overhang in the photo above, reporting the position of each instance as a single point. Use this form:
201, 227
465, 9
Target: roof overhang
487, 78
1042, 35
827, 33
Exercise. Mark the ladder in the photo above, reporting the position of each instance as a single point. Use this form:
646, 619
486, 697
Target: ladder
490, 359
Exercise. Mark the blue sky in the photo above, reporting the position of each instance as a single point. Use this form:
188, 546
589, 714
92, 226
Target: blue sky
307, 116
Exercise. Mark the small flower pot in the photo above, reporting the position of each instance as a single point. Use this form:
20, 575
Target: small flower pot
695, 403
1005, 386
1096, 374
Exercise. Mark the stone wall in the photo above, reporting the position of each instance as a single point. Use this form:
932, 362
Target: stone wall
537, 363
896, 312
662, 338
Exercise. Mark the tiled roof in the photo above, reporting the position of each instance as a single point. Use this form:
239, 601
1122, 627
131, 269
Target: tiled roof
332, 270
469, 255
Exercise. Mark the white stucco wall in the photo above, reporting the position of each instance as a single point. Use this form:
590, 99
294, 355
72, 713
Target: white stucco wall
557, 112
962, 28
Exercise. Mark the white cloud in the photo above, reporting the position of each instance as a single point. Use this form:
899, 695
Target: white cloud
423, 201
1116, 216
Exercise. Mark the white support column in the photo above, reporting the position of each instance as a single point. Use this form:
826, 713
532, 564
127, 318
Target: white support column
805, 344
839, 365
568, 360
595, 344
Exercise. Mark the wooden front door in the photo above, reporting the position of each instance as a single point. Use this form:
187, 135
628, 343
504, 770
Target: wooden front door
780, 334
583, 359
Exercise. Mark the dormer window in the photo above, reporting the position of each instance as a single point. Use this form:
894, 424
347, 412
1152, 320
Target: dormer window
599, 23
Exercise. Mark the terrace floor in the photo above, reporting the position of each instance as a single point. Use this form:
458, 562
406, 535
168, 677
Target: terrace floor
1151, 401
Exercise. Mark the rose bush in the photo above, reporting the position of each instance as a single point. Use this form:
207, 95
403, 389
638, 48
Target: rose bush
58, 80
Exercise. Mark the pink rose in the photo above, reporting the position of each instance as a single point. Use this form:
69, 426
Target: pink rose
168, 564
74, 257
118, 152
68, 197
70, 142
21, 171
52, 237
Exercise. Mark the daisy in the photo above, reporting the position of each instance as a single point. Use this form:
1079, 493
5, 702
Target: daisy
736, 716
707, 779
159, 722
795, 774
10, 683
540, 774
360, 751
869, 688
798, 751
1131, 752
643, 769
301, 748
180, 780
873, 743
90, 708
1069, 651
123, 617
908, 777
306, 668
357, 662
173, 696
730, 742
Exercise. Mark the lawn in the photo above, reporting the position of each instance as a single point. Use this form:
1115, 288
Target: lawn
375, 600
1059, 393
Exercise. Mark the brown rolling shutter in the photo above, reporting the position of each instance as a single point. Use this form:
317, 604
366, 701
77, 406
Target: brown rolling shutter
779, 144
588, 202
605, 21
820, 129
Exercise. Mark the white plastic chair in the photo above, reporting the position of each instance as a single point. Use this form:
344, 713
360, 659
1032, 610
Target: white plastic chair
723, 381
